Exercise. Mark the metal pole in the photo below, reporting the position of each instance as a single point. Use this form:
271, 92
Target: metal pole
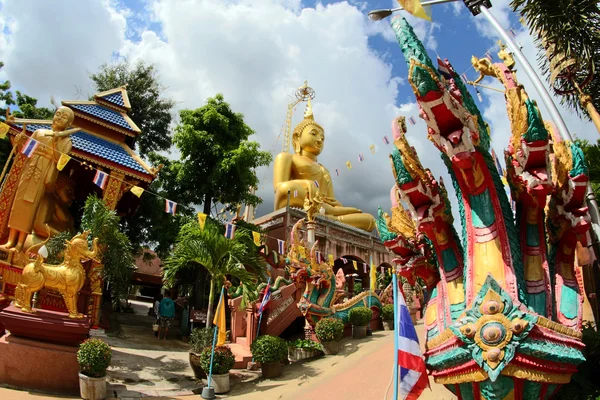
396, 330
261, 314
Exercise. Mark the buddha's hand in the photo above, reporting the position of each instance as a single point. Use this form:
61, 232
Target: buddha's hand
337, 211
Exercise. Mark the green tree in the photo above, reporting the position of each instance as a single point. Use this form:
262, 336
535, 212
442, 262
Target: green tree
591, 153
217, 161
572, 26
150, 110
223, 258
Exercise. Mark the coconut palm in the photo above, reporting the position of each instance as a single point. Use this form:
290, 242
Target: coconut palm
574, 28
223, 258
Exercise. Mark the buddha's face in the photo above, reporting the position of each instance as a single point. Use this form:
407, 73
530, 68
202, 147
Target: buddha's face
312, 140
66, 194
62, 119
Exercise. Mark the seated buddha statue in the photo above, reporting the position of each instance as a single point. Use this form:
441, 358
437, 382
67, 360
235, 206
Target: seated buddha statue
301, 174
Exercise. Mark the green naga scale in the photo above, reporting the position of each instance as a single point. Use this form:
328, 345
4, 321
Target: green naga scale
505, 312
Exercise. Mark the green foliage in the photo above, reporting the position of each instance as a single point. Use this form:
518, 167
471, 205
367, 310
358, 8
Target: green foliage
387, 312
55, 247
360, 316
93, 358
28, 108
305, 344
223, 360
584, 384
117, 256
200, 338
329, 330
150, 110
591, 153
269, 349
573, 27
213, 141
358, 288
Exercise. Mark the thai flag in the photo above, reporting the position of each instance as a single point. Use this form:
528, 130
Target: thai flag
344, 260
512, 33
361, 157
101, 179
337, 172
281, 246
229, 231
443, 69
488, 55
265, 300
316, 184
170, 206
465, 78
412, 120
319, 259
30, 147
497, 162
412, 375
364, 268
386, 140
295, 193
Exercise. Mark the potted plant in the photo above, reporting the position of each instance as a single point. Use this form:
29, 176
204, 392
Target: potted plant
359, 318
222, 362
329, 331
270, 352
199, 340
302, 349
93, 358
387, 315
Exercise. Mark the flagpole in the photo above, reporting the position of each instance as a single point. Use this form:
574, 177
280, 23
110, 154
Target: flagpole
396, 333
261, 314
369, 331
209, 392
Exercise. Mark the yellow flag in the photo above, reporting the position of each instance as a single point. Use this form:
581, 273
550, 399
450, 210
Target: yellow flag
220, 322
372, 147
201, 219
256, 237
62, 161
373, 278
331, 260
3, 130
355, 265
137, 191
415, 8
349, 164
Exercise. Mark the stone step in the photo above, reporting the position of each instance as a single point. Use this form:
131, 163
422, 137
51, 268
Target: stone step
242, 356
242, 341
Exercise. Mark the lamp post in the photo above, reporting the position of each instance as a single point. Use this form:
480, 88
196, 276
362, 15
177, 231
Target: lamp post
477, 7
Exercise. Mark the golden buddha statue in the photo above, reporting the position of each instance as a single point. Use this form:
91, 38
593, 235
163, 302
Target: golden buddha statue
301, 173
38, 176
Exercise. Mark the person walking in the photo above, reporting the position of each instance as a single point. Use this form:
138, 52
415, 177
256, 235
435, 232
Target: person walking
167, 312
157, 301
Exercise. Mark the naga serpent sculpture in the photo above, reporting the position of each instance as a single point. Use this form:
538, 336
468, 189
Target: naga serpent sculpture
504, 318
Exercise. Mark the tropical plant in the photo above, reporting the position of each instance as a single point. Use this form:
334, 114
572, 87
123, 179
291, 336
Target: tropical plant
572, 27
200, 338
387, 312
329, 330
93, 358
223, 360
358, 288
269, 349
223, 258
360, 316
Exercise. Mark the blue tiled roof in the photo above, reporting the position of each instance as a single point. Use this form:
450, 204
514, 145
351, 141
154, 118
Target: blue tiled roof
99, 147
104, 114
115, 98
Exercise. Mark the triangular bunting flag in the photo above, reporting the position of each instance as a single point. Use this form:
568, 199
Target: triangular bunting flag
4, 128
62, 161
137, 191
201, 220
170, 206
256, 237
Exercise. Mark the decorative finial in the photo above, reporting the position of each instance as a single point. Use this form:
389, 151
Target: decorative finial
308, 114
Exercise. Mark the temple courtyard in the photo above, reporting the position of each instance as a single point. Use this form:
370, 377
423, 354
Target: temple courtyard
145, 367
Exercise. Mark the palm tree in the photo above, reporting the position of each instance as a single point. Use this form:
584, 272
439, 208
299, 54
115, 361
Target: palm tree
573, 27
223, 258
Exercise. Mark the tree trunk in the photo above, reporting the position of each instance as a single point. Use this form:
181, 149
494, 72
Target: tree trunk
207, 204
211, 301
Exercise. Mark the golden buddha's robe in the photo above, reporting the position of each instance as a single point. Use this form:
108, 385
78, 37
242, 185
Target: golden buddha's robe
38, 177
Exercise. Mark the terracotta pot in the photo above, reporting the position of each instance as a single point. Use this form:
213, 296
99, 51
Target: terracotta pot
388, 325
220, 383
359, 332
195, 364
92, 388
271, 370
330, 348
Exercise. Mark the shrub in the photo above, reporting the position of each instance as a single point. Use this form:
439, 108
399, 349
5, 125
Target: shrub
387, 312
360, 316
329, 330
223, 360
305, 344
269, 349
94, 358
201, 338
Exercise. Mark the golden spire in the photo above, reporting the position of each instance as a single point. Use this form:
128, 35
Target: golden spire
308, 114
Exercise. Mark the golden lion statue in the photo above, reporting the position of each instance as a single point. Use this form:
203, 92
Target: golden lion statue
67, 278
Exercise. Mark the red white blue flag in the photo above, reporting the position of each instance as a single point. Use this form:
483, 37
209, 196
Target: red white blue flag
412, 120
319, 259
30, 147
229, 231
100, 179
281, 246
344, 260
443, 69
497, 163
386, 140
295, 193
361, 157
316, 184
170, 206
337, 172
412, 375
266, 299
